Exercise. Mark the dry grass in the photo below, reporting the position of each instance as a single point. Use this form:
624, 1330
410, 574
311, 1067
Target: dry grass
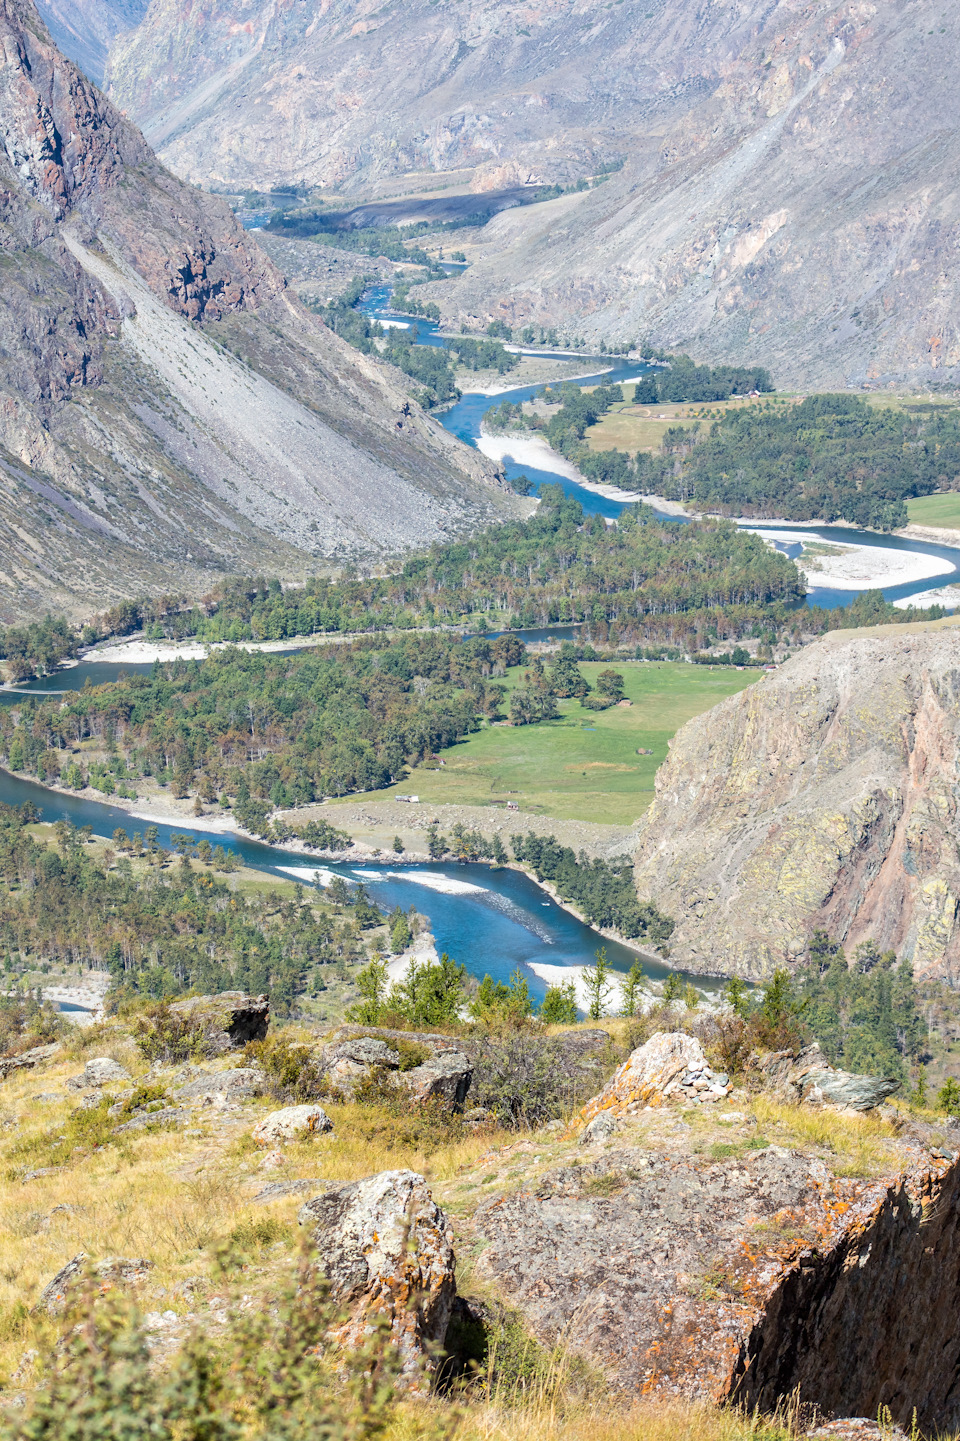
651, 1421
857, 1145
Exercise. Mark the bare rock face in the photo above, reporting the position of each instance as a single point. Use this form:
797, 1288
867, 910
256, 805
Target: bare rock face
747, 1280
229, 1020
824, 796
669, 1063
809, 1078
387, 1250
788, 195
165, 405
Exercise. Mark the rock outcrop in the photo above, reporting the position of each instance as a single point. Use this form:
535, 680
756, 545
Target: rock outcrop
808, 1078
669, 1064
387, 1250
787, 194
166, 407
824, 796
749, 1279
228, 1020
430, 1067
290, 1123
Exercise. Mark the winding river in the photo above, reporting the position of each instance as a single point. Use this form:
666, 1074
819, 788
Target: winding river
494, 921
464, 418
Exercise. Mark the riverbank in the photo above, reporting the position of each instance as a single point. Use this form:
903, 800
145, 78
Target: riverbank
539, 454
840, 566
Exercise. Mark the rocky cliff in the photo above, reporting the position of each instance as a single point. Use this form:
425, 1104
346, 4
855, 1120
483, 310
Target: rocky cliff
789, 190
825, 796
168, 412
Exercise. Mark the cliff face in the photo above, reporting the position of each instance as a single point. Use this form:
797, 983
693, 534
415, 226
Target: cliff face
824, 796
789, 195
85, 29
167, 412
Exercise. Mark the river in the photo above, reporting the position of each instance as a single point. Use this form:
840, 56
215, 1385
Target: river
493, 921
463, 420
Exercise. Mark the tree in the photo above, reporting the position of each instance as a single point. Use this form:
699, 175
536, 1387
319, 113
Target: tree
398, 845
737, 997
596, 980
948, 1097
497, 1004
565, 678
437, 845
372, 985
559, 1006
431, 993
400, 936
673, 988
610, 683
633, 989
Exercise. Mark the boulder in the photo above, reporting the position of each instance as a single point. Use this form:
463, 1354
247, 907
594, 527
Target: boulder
233, 1085
113, 1270
387, 1249
808, 1077
27, 1060
669, 1064
444, 1073
230, 1019
290, 1123
102, 1071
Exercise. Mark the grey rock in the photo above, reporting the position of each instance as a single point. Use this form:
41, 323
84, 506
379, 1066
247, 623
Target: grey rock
601, 1128
278, 1189
292, 1122
244, 1081
444, 1075
387, 1247
809, 1077
167, 1116
118, 1270
230, 1019
27, 1060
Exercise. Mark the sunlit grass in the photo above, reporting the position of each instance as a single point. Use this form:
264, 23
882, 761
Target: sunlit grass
858, 1145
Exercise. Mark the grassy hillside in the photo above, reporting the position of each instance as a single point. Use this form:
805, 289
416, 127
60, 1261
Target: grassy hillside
585, 765
941, 510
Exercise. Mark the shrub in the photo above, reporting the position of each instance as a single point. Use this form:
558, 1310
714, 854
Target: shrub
274, 1375
294, 1075
559, 1006
526, 1081
162, 1034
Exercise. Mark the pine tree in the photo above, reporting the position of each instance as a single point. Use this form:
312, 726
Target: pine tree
632, 989
596, 979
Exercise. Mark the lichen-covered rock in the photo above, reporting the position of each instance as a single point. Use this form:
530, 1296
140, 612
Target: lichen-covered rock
113, 1270
387, 1249
750, 1278
808, 1077
229, 1020
231, 1085
102, 1071
290, 1123
27, 1060
430, 1067
825, 796
669, 1064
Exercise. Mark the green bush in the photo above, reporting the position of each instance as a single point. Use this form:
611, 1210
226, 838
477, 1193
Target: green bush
294, 1075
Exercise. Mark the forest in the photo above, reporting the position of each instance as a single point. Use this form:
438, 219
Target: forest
161, 925
267, 730
828, 458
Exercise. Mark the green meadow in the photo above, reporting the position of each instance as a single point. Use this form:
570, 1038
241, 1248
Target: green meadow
583, 766
942, 510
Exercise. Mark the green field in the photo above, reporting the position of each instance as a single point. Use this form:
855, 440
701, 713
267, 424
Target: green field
583, 766
942, 510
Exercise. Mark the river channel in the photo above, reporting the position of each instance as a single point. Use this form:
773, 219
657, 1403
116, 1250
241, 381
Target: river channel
463, 420
493, 921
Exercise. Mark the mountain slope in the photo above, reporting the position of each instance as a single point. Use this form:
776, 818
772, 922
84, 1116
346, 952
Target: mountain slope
168, 412
790, 189
85, 29
825, 796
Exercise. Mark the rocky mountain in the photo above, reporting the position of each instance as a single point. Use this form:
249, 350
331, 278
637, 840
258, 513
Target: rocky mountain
85, 29
168, 412
824, 796
789, 189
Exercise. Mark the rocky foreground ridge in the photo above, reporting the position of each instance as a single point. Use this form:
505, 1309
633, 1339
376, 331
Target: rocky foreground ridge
166, 408
720, 1244
825, 796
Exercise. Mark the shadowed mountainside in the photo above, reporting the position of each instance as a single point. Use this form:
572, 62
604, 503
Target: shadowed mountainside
825, 796
168, 413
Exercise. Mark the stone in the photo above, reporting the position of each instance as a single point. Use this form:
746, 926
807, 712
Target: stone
646, 1074
808, 1077
278, 1190
290, 1123
387, 1248
236, 1084
444, 1074
27, 1060
601, 1128
102, 1071
747, 1279
230, 1019
113, 1270
165, 1116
